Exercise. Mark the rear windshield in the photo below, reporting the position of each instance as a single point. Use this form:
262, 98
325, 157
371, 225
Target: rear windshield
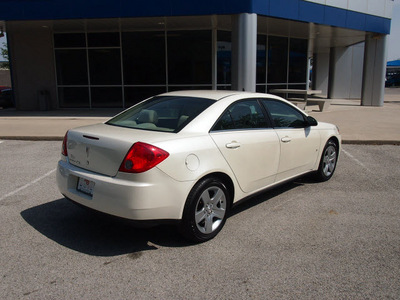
163, 113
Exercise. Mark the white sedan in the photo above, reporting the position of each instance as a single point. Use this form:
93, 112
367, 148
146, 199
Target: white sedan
189, 156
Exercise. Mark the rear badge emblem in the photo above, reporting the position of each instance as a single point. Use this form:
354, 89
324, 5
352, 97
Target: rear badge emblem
87, 155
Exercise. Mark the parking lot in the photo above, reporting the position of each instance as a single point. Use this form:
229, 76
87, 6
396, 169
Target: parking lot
305, 240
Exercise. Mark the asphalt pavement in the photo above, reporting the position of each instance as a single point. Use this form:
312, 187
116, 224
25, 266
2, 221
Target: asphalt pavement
303, 240
357, 124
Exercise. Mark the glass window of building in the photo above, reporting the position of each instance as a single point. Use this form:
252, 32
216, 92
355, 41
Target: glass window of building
105, 66
104, 97
277, 59
71, 67
144, 58
118, 69
297, 61
189, 57
69, 40
261, 67
224, 56
73, 97
134, 95
103, 39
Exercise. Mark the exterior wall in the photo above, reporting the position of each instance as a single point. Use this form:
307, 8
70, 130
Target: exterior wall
32, 54
32, 62
320, 73
345, 76
380, 8
356, 71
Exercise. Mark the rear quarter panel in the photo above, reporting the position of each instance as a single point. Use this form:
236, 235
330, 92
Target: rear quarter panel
191, 158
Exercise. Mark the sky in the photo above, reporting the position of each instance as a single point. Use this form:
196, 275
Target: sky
393, 41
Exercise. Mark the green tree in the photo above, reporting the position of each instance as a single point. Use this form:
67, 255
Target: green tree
4, 53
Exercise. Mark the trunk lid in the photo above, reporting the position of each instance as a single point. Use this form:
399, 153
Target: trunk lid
101, 148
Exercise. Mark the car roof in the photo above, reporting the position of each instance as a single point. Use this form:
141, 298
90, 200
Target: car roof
216, 95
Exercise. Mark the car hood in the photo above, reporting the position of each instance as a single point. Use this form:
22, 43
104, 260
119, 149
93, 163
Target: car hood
323, 125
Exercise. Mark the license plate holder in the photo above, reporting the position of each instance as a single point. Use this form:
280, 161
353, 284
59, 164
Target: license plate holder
85, 186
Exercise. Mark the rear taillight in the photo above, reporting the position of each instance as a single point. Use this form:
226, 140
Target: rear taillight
64, 150
142, 157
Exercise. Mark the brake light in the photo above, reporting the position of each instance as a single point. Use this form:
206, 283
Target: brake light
64, 150
142, 157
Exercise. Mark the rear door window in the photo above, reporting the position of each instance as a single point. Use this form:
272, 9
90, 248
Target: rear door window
245, 114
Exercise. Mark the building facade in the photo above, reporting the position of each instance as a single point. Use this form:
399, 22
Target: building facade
101, 54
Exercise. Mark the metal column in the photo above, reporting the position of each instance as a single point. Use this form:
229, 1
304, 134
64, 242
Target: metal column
373, 82
244, 52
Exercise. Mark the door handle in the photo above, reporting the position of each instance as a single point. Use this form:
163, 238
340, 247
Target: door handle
286, 139
232, 145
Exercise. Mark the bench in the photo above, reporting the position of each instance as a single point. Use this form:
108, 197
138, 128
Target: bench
322, 103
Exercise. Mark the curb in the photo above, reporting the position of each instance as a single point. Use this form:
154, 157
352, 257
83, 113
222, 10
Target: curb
371, 142
32, 138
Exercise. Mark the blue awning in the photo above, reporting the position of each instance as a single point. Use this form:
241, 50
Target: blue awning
393, 63
297, 10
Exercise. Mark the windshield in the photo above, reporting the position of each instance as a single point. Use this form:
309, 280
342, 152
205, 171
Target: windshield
163, 113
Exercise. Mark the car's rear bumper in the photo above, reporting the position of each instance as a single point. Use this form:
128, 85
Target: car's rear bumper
152, 195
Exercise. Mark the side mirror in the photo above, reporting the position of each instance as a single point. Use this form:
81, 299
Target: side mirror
311, 121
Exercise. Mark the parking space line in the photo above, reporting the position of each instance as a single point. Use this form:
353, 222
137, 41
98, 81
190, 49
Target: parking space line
27, 185
355, 159
1, 142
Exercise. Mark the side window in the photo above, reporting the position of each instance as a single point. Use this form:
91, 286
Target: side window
284, 115
242, 115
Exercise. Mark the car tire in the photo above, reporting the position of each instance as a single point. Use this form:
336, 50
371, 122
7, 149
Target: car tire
205, 211
328, 161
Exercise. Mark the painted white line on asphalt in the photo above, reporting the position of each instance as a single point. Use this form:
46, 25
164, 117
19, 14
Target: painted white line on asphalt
355, 159
27, 185
1, 142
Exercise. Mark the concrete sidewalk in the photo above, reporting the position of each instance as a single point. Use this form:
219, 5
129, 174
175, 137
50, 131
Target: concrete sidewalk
365, 124
357, 124
47, 125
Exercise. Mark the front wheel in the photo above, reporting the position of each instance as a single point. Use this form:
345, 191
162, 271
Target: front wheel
205, 210
328, 161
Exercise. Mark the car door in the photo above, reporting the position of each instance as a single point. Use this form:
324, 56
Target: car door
249, 145
299, 143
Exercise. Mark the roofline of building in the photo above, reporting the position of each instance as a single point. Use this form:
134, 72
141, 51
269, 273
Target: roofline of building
297, 10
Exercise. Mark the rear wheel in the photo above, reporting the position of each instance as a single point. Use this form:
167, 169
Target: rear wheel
205, 210
328, 161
